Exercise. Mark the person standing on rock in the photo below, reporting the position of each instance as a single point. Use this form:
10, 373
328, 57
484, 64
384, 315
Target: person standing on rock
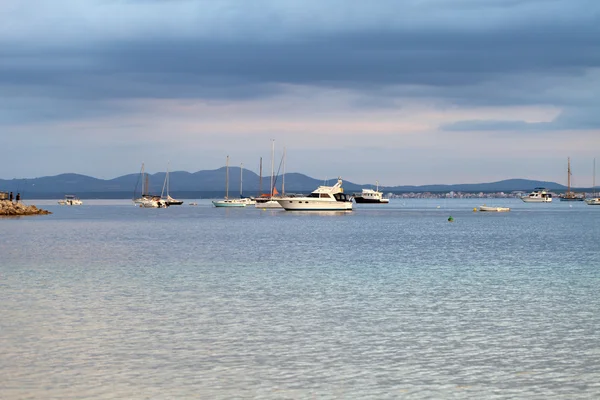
18, 197
11, 197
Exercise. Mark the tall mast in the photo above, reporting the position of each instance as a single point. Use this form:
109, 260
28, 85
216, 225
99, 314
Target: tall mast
241, 172
143, 180
569, 175
283, 178
260, 179
272, 163
377, 186
594, 182
227, 178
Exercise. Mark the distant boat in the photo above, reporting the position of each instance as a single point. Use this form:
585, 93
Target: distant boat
248, 200
538, 195
371, 196
147, 200
568, 195
595, 200
227, 202
169, 200
70, 200
270, 200
324, 198
494, 209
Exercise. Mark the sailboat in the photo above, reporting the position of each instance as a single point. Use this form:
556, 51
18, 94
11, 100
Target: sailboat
227, 202
595, 200
169, 200
248, 200
147, 200
570, 196
270, 200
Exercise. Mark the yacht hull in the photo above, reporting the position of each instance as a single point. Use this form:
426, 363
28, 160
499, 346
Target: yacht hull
300, 204
228, 203
362, 200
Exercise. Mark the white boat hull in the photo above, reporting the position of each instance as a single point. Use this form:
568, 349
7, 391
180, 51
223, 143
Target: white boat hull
593, 201
310, 204
229, 203
494, 209
268, 204
537, 200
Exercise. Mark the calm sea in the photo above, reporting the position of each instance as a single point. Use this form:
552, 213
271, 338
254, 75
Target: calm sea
110, 301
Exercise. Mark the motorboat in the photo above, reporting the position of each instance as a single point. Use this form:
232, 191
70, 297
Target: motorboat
70, 200
538, 195
267, 202
371, 196
324, 198
493, 209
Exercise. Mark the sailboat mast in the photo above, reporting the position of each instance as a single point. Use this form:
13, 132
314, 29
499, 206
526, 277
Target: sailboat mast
568, 174
146, 177
227, 178
241, 180
594, 179
260, 179
272, 163
283, 178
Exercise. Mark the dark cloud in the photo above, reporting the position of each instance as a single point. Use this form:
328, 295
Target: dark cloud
466, 52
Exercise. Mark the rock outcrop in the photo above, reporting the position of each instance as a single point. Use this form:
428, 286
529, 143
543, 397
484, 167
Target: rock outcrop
10, 208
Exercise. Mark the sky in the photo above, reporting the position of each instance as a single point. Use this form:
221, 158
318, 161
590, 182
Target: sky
404, 92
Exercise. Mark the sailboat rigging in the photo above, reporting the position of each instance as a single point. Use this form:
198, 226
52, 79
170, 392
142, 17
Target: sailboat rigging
569, 195
169, 200
226, 202
595, 200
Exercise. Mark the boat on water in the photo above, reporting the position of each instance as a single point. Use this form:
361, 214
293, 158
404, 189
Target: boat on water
168, 200
538, 195
147, 200
324, 198
569, 195
227, 202
70, 200
269, 200
595, 199
370, 196
493, 209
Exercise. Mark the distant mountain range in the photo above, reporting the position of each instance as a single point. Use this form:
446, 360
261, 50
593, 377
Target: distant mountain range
211, 183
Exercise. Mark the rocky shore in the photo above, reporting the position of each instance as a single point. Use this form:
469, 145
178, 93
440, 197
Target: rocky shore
10, 208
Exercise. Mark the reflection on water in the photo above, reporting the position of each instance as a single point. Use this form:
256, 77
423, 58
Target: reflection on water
109, 301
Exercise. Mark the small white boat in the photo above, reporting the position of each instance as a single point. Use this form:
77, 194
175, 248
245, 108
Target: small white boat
495, 209
193, 203
324, 198
371, 196
70, 200
538, 195
269, 202
227, 202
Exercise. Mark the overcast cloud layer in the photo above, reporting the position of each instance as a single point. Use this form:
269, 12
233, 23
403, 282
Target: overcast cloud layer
412, 92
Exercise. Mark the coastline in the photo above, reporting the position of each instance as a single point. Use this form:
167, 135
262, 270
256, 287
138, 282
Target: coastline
10, 209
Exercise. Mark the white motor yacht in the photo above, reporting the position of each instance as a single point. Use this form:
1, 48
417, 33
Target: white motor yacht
70, 200
371, 196
538, 195
324, 198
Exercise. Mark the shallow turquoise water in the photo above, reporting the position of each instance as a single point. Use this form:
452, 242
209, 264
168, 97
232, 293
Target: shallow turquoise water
111, 301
